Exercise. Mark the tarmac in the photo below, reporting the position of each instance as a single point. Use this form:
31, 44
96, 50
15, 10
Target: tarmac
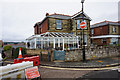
97, 63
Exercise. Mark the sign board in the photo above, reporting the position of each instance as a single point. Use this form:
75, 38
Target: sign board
82, 25
32, 72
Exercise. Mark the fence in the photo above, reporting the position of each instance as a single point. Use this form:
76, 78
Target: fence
14, 71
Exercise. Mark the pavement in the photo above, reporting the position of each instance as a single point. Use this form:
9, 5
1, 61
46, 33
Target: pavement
98, 63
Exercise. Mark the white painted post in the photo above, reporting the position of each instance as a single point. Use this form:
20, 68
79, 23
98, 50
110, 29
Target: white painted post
26, 44
35, 43
63, 44
42, 43
48, 42
54, 43
59, 42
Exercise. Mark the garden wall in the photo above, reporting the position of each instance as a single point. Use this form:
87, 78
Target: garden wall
92, 53
76, 55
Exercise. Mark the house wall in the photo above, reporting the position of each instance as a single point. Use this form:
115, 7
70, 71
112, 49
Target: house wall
100, 41
44, 26
79, 32
35, 30
119, 41
103, 30
66, 27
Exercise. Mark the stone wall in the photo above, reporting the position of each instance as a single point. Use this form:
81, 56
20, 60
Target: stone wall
76, 55
43, 54
92, 53
8, 53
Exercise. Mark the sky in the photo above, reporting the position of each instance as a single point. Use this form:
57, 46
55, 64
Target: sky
17, 17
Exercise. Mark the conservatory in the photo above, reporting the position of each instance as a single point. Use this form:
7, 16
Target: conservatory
54, 40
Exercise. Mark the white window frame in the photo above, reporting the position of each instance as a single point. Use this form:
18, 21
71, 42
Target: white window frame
78, 24
92, 31
58, 24
113, 29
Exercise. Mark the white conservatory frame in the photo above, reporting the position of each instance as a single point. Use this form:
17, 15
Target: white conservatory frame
53, 40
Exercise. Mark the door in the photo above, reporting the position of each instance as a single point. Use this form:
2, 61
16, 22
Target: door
59, 55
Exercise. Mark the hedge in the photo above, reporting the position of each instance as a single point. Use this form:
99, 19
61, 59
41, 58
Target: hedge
16, 52
7, 47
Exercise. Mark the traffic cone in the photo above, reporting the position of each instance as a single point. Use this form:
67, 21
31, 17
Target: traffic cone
20, 54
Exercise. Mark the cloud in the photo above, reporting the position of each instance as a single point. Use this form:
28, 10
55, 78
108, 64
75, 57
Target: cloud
17, 17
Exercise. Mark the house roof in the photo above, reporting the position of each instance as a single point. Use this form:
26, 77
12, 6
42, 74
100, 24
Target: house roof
80, 12
59, 16
63, 16
104, 23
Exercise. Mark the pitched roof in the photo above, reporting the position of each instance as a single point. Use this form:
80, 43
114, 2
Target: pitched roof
59, 16
63, 16
80, 12
104, 23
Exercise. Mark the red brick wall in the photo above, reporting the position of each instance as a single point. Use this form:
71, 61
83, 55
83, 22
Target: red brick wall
99, 41
35, 30
45, 26
101, 31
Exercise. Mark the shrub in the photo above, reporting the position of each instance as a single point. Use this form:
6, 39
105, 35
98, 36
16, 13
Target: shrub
16, 52
7, 47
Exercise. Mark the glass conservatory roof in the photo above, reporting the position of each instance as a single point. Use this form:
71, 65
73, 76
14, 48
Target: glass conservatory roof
53, 34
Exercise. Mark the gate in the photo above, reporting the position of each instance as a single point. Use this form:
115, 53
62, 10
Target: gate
59, 55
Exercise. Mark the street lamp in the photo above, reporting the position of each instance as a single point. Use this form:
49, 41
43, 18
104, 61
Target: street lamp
84, 59
82, 1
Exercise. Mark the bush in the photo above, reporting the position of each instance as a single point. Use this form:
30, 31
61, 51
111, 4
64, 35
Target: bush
7, 47
16, 52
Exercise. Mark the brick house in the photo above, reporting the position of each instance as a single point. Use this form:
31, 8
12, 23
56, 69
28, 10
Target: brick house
63, 26
105, 33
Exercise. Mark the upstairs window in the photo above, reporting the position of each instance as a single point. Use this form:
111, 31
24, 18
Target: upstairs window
92, 31
58, 26
114, 29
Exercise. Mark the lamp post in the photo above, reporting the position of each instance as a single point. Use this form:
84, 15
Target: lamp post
84, 59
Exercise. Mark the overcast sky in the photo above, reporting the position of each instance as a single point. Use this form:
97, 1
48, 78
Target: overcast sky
17, 17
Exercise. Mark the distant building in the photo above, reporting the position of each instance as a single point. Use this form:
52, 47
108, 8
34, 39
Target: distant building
105, 33
1, 43
59, 30
15, 44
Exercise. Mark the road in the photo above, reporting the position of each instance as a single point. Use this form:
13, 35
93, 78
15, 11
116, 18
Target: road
78, 74
102, 75
47, 73
55, 73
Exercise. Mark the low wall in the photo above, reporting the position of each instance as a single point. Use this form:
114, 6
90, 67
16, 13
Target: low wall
43, 54
76, 55
92, 53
